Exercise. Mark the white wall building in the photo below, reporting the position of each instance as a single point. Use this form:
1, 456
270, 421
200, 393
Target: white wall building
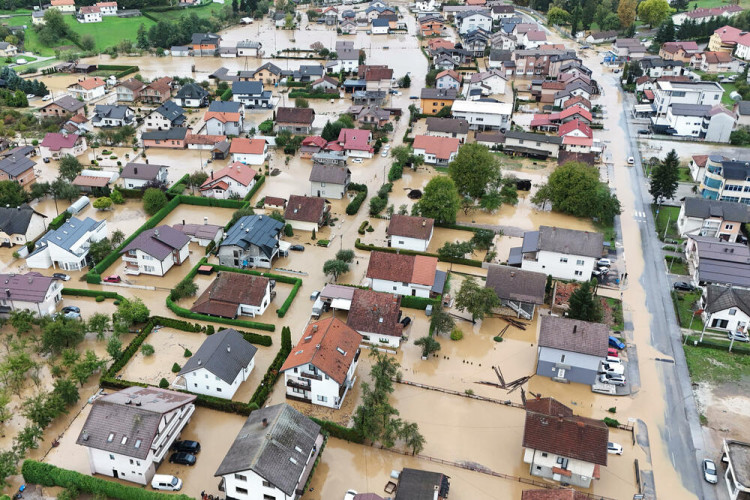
484, 115
410, 233
562, 253
668, 93
155, 251
67, 247
413, 275
471, 21
725, 308
30, 291
236, 179
137, 175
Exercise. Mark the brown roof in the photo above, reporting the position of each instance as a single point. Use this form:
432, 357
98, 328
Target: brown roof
132, 84
89, 83
275, 201
411, 227
191, 138
512, 283
560, 432
553, 85
224, 295
242, 145
574, 335
375, 312
553, 495
329, 345
441, 147
90, 181
373, 73
295, 115
162, 85
305, 208
577, 100
417, 269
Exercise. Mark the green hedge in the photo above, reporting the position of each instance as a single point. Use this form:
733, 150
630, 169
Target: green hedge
281, 311
339, 431
80, 292
460, 227
122, 70
466, 262
312, 95
48, 475
179, 187
273, 372
723, 345
203, 201
255, 188
353, 207
131, 194
60, 220
187, 313
419, 302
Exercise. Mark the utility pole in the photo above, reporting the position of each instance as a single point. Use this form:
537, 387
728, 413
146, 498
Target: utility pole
669, 218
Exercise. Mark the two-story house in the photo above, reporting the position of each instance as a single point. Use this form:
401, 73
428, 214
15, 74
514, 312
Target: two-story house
294, 120
562, 253
155, 251
165, 117
356, 142
306, 213
483, 115
329, 181
107, 115
191, 95
205, 44
20, 225
30, 292
531, 144
410, 233
667, 93
251, 94
571, 350
712, 218
18, 168
67, 247
235, 180
129, 433
129, 90
414, 275
725, 307
712, 261
268, 74
253, 241
436, 150
64, 6
434, 100
63, 106
472, 20
56, 145
88, 89
248, 151
158, 91
220, 365
448, 127
225, 118
173, 138
235, 294
89, 14
376, 316
320, 368
137, 175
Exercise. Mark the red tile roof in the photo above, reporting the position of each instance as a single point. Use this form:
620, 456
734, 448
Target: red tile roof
575, 110
441, 147
225, 294
449, 72
329, 345
375, 312
89, 83
410, 227
237, 171
314, 140
573, 125
577, 141
417, 269
553, 495
56, 141
247, 146
728, 34
355, 139
222, 116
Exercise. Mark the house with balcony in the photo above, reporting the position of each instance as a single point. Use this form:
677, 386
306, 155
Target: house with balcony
297, 121
434, 100
205, 44
158, 91
165, 117
518, 290
724, 179
248, 151
272, 456
63, 106
155, 251
725, 307
235, 180
320, 368
20, 225
67, 247
129, 433
668, 93
191, 95
712, 218
472, 20
438, 151
224, 118
253, 241
107, 115
376, 316
532, 144
411, 275
736, 456
30, 292
563, 447
56, 145
251, 94
410, 233
712, 261
329, 181
129, 90
88, 89
712, 123
220, 365
234, 294
138, 175
562, 253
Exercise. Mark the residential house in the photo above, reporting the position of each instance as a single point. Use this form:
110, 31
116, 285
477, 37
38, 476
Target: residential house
129, 433
56, 145
253, 241
320, 368
191, 95
356, 142
742, 110
88, 89
448, 127
434, 100
476, 42
37, 18
331, 16
312, 145
107, 115
431, 25
235, 294
67, 247
377, 78
89, 14
531, 144
519, 290
472, 20
576, 88
63, 106
347, 56
492, 140
712, 123
158, 91
414, 275
348, 27
174, 138
129, 90
205, 44
725, 308
155, 251
272, 456
107, 8
64, 6
486, 83
329, 181
20, 225
180, 51
18, 168
295, 120
426, 5
561, 253
88, 183
376, 317
713, 261
702, 14
268, 74
415, 484
628, 49
532, 38
448, 79
232, 181
279, 19
222, 363
308, 73
438, 151
165, 117
598, 37
577, 101
656, 67
679, 51
306, 213
251, 94
561, 446
667, 93
249, 151
724, 39
325, 84
742, 51
500, 12
410, 233
202, 234
484, 115
30, 292
712, 218
225, 118
571, 350
138, 175
249, 48
373, 116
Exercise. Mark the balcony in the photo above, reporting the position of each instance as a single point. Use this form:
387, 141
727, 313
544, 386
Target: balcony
129, 260
312, 376
305, 386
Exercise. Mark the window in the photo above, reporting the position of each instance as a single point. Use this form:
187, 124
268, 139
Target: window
269, 497
732, 311
544, 454
323, 399
564, 260
110, 437
240, 477
111, 457
579, 262
579, 273
124, 440
131, 461
218, 389
728, 226
240, 490
267, 484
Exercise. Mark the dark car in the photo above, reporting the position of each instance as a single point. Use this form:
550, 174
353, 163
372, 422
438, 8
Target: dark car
615, 342
182, 458
406, 321
644, 131
684, 286
68, 309
297, 248
60, 276
187, 446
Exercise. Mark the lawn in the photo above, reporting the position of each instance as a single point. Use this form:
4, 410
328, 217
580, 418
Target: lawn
607, 230
205, 10
35, 65
685, 302
111, 30
685, 174
676, 265
618, 322
715, 365
728, 89
706, 4
666, 214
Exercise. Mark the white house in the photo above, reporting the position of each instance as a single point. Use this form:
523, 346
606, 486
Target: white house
410, 233
726, 308
88, 89
272, 456
329, 181
252, 241
235, 294
225, 118
571, 350
191, 95
30, 291
248, 48
19, 225
202, 234
380, 26
67, 247
129, 433
414, 275
427, 5
356, 142
165, 117
251, 94
107, 8
223, 361
56, 145
108, 115
249, 151
489, 83
306, 213
473, 20
448, 79
89, 14
667, 93
137, 175
233, 180
155, 251
64, 6
376, 317
436, 150
562, 253
484, 115
320, 369
712, 218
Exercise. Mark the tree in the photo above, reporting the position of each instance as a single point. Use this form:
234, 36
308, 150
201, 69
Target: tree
611, 22
441, 322
86, 367
405, 81
87, 43
8, 466
154, 200
197, 179
64, 190
42, 409
589, 11
130, 312
428, 344
626, 12
584, 304
142, 38
22, 320
335, 268
301, 102
28, 438
654, 12
103, 203
575, 20
240, 213
66, 390
455, 250
482, 239
556, 15
70, 167
99, 323
12, 194
476, 299
14, 370
185, 288
61, 334
412, 437
473, 169
665, 33
664, 178
114, 347
345, 255
440, 200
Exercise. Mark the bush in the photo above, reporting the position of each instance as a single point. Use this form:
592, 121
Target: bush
187, 353
163, 383
611, 422
362, 227
370, 229
395, 172
339, 431
147, 350
457, 334
176, 368
258, 183
154, 200
260, 339
377, 205
353, 207
210, 330
497, 339
288, 230
273, 372
612, 410
419, 302
100, 298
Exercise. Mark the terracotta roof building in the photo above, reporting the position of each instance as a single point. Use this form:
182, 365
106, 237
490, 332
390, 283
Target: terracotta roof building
376, 316
410, 233
415, 275
436, 150
306, 212
234, 294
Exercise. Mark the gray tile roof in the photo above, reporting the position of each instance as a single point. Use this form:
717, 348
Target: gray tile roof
247, 88
268, 451
158, 242
177, 133
134, 413
511, 283
115, 112
68, 103
721, 298
570, 241
16, 220
329, 173
438, 93
171, 111
447, 125
143, 171
224, 354
29, 287
704, 208
191, 91
722, 262
415, 484
15, 165
679, 109
574, 335
743, 108
225, 106
254, 230
69, 233
530, 136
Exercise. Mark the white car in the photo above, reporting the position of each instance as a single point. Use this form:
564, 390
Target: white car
48, 97
604, 263
738, 336
612, 379
356, 160
350, 494
631, 160
614, 448
613, 360
384, 153
613, 368
709, 471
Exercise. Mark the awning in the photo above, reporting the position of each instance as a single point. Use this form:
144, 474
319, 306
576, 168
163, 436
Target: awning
342, 304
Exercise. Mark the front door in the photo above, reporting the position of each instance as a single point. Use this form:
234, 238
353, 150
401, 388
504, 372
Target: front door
114, 473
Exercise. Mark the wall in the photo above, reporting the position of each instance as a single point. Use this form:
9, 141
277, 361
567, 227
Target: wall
249, 159
735, 322
400, 288
550, 263
326, 387
201, 381
578, 368
253, 483
541, 464
101, 463
409, 243
302, 226
327, 190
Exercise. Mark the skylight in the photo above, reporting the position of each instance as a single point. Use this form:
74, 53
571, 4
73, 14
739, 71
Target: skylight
110, 437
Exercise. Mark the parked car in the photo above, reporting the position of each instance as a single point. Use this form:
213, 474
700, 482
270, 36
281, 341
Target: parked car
612, 379
617, 70
406, 321
739, 336
60, 276
602, 271
613, 359
709, 471
612, 368
604, 263
165, 482
112, 279
612, 353
631, 160
384, 153
683, 286
615, 342
182, 458
68, 309
30, 96
356, 160
614, 448
350, 494
314, 295
187, 446
297, 248
48, 97
644, 131
72, 315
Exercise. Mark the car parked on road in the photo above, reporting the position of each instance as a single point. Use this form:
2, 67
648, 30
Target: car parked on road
614, 448
631, 160
612, 368
683, 286
612, 353
612, 379
356, 160
112, 279
182, 458
615, 342
709, 471
297, 248
613, 359
603, 263
187, 446
68, 309
738, 336
60, 276
644, 131
406, 321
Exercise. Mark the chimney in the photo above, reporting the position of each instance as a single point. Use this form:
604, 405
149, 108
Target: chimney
315, 328
183, 222
205, 220
146, 161
156, 233
264, 422
575, 328
212, 174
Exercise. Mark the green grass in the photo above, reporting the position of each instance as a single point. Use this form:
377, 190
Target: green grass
685, 175
618, 322
676, 265
666, 214
111, 30
684, 303
205, 10
728, 89
608, 230
716, 3
35, 65
18, 21
715, 365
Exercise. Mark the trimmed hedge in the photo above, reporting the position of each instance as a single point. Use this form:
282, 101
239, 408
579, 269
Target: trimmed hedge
339, 431
131, 194
281, 311
179, 187
460, 227
312, 95
419, 302
273, 372
80, 292
466, 262
255, 188
353, 207
60, 220
123, 70
259, 339
48, 475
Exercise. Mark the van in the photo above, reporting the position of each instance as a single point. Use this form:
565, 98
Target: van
317, 309
166, 482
